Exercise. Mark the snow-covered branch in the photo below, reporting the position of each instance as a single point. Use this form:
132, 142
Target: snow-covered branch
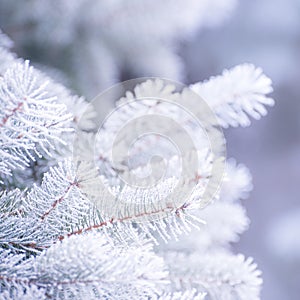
30, 120
78, 226
87, 267
221, 275
237, 94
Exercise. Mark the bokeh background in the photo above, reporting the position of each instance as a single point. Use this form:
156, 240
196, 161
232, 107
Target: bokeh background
266, 33
263, 32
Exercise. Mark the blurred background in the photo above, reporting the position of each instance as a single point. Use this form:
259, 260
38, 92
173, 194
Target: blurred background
191, 41
267, 34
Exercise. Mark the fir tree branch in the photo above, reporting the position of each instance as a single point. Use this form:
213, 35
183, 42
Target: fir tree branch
220, 274
30, 121
99, 270
237, 93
